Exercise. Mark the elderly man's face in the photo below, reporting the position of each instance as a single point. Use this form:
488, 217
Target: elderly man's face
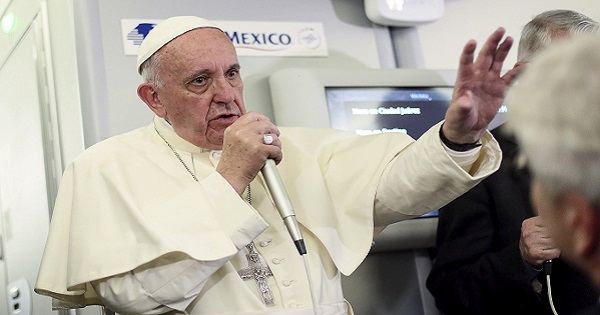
202, 88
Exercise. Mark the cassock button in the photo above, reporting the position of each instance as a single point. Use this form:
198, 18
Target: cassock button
265, 243
15, 293
276, 261
215, 155
287, 283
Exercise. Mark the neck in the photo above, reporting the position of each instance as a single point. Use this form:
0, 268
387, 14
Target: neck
191, 139
178, 142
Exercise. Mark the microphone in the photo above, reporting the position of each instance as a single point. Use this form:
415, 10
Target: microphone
283, 204
548, 267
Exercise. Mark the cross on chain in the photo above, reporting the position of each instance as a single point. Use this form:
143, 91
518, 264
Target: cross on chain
255, 269
259, 273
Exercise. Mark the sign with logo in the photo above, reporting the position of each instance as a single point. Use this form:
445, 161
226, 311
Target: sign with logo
285, 39
134, 32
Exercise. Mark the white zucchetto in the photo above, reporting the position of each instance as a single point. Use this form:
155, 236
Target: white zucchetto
165, 32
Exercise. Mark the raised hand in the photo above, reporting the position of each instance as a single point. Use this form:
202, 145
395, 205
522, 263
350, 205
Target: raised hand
479, 89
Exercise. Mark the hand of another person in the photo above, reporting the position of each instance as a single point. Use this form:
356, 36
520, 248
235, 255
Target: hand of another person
245, 150
535, 244
479, 89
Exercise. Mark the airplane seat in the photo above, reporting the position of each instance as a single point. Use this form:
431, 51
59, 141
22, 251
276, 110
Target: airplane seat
392, 278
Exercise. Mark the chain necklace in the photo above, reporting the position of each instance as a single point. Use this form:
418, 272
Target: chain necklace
249, 191
176, 154
256, 270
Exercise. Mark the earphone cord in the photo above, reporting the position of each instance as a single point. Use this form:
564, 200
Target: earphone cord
548, 272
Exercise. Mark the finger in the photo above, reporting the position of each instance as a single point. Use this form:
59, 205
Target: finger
466, 59
271, 140
550, 254
273, 150
468, 53
261, 124
256, 115
536, 221
268, 139
274, 130
277, 157
251, 117
485, 57
501, 54
509, 76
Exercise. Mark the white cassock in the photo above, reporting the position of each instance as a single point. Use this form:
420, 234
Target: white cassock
127, 209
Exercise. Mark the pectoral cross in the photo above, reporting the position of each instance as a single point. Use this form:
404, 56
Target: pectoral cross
259, 273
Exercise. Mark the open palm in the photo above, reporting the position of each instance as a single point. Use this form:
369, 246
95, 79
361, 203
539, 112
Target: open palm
479, 89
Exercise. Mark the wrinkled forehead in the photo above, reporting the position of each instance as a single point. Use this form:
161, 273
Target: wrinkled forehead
201, 39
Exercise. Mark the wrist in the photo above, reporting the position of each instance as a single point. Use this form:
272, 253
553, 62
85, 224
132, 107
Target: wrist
460, 147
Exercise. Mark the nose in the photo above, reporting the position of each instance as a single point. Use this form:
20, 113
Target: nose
223, 91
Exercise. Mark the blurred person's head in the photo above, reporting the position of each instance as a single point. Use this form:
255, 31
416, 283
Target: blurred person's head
550, 26
554, 112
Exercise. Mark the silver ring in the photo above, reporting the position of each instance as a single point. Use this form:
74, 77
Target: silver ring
267, 139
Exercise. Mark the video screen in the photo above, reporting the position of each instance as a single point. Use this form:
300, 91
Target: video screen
369, 110
374, 110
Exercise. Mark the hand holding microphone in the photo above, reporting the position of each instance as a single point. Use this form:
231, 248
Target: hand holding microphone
240, 161
247, 143
535, 244
281, 199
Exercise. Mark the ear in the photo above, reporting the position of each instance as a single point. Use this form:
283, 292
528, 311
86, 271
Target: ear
147, 93
519, 64
583, 222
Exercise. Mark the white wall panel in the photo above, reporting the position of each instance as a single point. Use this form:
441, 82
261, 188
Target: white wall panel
110, 79
23, 193
443, 40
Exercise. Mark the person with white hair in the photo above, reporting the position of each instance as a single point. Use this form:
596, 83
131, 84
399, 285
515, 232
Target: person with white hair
554, 113
176, 217
491, 247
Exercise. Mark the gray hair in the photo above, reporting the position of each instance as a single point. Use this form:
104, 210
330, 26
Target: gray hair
555, 116
546, 26
149, 69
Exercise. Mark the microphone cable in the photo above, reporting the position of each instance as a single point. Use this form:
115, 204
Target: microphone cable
286, 211
548, 271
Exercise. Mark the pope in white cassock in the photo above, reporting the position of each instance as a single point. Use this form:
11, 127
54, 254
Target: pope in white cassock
176, 218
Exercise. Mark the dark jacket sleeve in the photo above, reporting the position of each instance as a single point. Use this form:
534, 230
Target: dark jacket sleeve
477, 270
